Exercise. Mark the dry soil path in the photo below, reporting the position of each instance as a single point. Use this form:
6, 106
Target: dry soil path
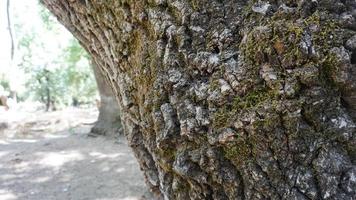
68, 165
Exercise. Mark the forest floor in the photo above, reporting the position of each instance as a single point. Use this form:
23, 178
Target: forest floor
49, 156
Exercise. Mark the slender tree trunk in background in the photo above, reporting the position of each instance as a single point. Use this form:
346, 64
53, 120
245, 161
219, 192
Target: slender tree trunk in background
48, 90
230, 99
12, 50
108, 123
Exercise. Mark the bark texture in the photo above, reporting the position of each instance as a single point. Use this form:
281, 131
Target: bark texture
230, 99
108, 122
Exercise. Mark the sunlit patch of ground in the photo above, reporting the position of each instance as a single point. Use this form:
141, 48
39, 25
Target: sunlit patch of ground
53, 158
24, 122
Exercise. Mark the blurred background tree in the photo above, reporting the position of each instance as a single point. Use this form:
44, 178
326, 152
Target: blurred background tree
51, 66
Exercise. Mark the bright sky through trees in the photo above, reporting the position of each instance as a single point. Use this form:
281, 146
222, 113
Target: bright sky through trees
41, 45
25, 15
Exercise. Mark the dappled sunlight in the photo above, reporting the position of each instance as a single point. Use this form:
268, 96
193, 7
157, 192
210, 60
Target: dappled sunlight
42, 179
130, 162
126, 198
67, 164
6, 195
130, 198
3, 142
57, 159
43, 124
66, 177
7, 177
107, 166
45, 152
3, 153
103, 156
49, 103
120, 170
21, 166
10, 141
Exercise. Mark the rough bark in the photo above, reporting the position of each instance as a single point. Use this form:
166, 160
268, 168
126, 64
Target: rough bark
230, 99
108, 122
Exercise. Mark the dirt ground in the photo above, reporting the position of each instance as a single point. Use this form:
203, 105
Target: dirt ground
48, 156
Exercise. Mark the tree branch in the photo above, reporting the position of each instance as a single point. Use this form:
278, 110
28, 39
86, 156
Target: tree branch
10, 29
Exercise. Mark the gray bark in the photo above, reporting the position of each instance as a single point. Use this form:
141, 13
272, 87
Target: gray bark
230, 99
108, 122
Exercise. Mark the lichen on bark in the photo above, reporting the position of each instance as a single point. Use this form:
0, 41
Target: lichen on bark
230, 99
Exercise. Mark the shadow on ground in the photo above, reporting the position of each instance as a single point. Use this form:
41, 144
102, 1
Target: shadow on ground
69, 165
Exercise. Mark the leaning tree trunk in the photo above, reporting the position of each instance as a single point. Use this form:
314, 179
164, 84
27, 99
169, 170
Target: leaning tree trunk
230, 99
108, 122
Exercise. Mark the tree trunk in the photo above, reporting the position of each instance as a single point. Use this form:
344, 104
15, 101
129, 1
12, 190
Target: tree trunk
9, 27
108, 122
230, 99
47, 90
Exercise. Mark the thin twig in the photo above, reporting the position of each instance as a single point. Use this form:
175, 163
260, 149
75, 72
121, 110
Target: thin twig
10, 29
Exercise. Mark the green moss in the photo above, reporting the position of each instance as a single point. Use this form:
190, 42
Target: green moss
252, 99
281, 38
222, 117
144, 65
214, 85
238, 153
256, 44
168, 157
226, 114
324, 39
325, 35
329, 67
242, 151
278, 42
268, 40
194, 4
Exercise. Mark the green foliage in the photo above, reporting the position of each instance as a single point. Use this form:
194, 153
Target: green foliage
78, 73
43, 85
57, 71
48, 20
4, 83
